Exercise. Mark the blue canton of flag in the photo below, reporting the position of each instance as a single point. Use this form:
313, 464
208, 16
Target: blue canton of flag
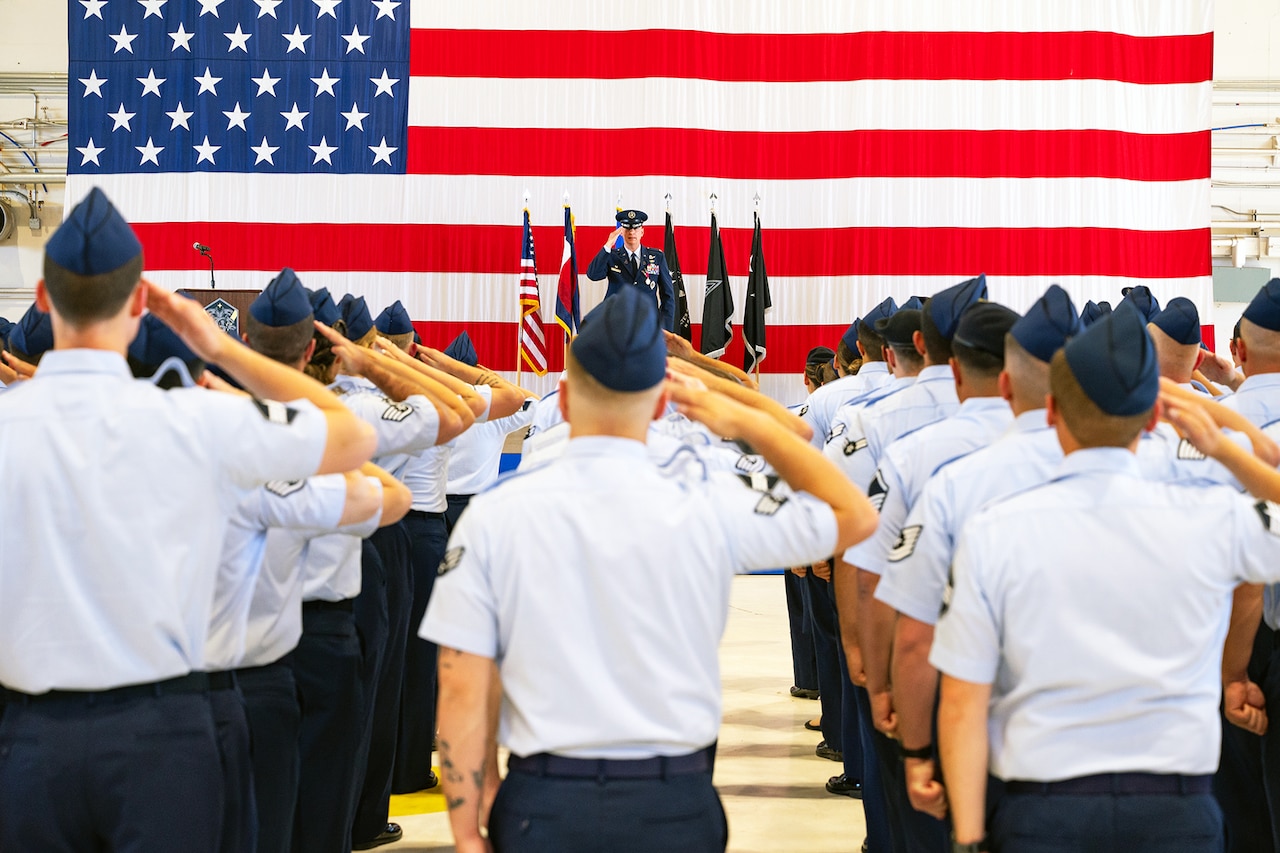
238, 86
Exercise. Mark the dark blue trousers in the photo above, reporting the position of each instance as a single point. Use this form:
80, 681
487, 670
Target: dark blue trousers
372, 806
804, 665
875, 810
542, 814
132, 775
240, 813
457, 503
911, 831
1107, 823
427, 537
327, 666
826, 645
274, 715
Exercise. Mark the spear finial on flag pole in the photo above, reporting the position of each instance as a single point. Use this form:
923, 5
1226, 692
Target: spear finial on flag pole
713, 202
757, 201
668, 198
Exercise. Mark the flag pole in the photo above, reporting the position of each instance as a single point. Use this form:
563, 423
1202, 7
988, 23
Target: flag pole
757, 201
520, 321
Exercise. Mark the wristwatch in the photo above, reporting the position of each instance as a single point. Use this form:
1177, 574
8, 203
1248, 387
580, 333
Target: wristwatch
971, 847
924, 752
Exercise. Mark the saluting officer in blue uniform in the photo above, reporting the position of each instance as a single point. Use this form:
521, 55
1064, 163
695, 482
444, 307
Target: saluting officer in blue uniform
634, 265
1081, 645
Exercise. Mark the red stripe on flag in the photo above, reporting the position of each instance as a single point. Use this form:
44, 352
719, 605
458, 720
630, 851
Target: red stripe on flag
792, 252
817, 155
619, 55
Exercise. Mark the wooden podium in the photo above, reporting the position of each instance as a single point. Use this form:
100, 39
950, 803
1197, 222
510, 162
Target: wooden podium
225, 306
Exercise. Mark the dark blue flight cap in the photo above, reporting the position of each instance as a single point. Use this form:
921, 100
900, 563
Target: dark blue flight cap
631, 218
283, 302
5, 326
1094, 311
355, 312
883, 310
32, 335
946, 306
156, 342
819, 355
94, 239
1143, 299
1115, 362
322, 307
1048, 324
850, 336
462, 349
1264, 309
1179, 320
914, 302
983, 327
899, 329
620, 342
394, 320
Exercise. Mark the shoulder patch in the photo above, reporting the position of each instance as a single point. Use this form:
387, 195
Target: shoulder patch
877, 491
804, 410
528, 434
1188, 452
906, 544
769, 504
750, 463
853, 446
948, 591
276, 413
284, 488
837, 430
452, 558
1267, 512
527, 404
396, 412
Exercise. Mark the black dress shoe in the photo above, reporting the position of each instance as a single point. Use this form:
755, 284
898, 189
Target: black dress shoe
809, 724
843, 786
804, 693
433, 781
824, 751
390, 835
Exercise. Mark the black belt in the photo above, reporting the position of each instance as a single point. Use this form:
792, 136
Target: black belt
418, 513
658, 767
195, 682
225, 680
346, 605
1117, 783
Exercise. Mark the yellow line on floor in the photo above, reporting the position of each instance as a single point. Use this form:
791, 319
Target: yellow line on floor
421, 802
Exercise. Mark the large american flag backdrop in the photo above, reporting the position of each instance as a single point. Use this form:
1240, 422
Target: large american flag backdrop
385, 148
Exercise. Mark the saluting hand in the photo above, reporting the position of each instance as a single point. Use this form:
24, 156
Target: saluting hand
14, 369
189, 321
355, 360
1192, 422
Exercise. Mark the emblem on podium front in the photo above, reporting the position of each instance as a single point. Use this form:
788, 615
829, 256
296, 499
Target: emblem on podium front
225, 315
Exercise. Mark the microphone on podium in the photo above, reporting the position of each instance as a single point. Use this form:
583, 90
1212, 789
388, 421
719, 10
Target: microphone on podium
201, 248
207, 252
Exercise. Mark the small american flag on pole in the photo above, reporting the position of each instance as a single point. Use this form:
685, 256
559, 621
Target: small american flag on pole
533, 343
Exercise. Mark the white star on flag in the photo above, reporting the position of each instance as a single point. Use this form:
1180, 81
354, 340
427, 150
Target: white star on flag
297, 41
386, 9
294, 118
322, 151
208, 83
89, 153
153, 8
326, 7
150, 83
325, 83
93, 84
181, 38
93, 7
121, 118
384, 84
355, 41
207, 6
123, 41
268, 7
149, 152
179, 118
355, 118
264, 152
266, 83
205, 150
236, 118
383, 152
239, 40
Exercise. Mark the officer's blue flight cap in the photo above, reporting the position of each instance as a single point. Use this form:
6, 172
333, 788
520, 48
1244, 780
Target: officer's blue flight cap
884, 309
1143, 299
850, 336
631, 218
1180, 321
156, 342
946, 306
283, 302
394, 320
355, 312
1048, 324
322, 307
983, 326
1264, 309
1115, 362
899, 329
32, 335
5, 325
621, 344
914, 302
1094, 311
94, 239
462, 349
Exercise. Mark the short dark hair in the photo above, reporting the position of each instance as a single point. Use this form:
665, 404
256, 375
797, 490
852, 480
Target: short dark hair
1087, 423
872, 343
81, 299
908, 356
977, 363
285, 344
936, 347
